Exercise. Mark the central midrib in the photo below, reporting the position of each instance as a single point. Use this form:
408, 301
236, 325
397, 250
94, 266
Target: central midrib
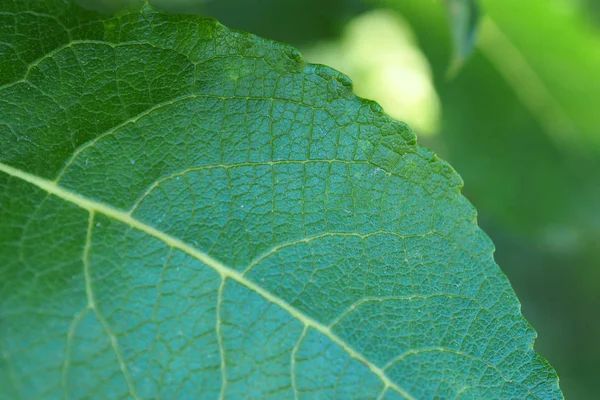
220, 268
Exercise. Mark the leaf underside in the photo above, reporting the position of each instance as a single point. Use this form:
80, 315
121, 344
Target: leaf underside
188, 211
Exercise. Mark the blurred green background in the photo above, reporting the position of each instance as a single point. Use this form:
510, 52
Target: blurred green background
520, 121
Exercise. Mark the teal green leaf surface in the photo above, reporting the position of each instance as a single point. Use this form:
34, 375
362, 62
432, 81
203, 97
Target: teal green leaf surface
192, 212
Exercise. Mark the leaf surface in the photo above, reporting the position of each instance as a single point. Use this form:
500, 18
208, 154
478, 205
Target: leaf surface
188, 211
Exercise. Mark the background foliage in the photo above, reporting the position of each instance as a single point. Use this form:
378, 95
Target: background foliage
519, 121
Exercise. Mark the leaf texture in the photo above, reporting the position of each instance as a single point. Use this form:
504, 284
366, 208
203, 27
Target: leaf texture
188, 211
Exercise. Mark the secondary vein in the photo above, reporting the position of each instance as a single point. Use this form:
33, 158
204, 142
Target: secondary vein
220, 268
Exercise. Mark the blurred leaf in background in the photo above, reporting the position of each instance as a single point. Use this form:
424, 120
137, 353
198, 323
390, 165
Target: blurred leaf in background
519, 121
463, 17
593, 6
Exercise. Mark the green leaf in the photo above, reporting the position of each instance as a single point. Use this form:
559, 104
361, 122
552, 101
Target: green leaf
464, 19
192, 212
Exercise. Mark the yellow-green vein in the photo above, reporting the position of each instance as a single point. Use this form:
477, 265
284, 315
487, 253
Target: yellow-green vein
225, 272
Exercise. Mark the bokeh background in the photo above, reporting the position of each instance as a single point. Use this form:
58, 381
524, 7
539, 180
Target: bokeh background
519, 120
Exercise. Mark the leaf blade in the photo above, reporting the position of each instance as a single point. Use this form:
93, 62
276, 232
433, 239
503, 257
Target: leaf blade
280, 229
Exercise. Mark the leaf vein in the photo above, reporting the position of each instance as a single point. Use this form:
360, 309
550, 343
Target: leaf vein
458, 353
220, 340
92, 306
224, 271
